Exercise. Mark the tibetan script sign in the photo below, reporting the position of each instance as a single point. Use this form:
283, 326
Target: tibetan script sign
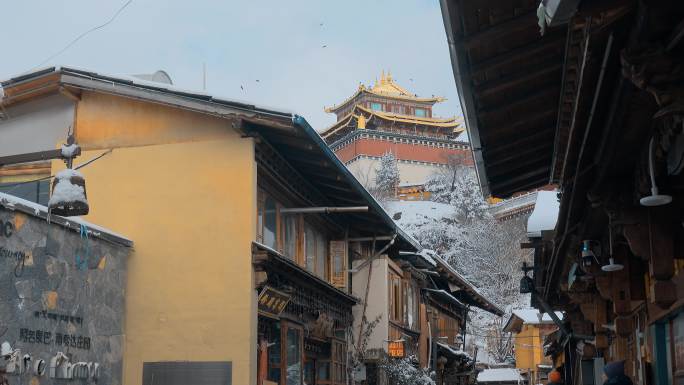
396, 349
272, 302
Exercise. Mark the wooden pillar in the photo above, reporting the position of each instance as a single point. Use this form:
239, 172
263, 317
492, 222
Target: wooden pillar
652, 238
262, 370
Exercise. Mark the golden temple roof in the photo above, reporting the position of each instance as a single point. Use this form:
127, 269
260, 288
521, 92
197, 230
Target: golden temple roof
386, 87
367, 115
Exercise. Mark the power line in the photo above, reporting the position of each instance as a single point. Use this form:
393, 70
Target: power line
79, 37
14, 185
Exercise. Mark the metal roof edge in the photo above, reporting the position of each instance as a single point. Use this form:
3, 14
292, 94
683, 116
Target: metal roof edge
313, 135
465, 99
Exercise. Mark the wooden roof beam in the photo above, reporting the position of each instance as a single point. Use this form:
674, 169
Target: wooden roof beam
525, 75
503, 168
516, 23
552, 92
551, 40
534, 174
492, 149
521, 158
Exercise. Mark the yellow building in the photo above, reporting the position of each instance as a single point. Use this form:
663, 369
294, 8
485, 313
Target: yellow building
529, 329
203, 186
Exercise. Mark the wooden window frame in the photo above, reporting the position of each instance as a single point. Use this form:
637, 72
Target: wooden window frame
284, 327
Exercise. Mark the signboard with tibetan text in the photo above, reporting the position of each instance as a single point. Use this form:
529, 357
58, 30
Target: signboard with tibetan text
272, 302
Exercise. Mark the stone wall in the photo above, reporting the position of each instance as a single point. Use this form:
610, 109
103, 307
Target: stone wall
60, 291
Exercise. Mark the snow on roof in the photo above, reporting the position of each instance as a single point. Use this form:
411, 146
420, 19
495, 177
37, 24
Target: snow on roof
545, 214
499, 375
455, 352
513, 204
463, 137
417, 213
429, 256
37, 210
134, 81
532, 316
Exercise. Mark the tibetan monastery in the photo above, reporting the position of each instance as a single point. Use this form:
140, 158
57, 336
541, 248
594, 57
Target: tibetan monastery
388, 118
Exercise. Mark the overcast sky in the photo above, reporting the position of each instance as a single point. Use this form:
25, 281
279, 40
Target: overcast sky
279, 43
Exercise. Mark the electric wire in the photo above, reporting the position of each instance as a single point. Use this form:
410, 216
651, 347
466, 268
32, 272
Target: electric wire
17, 184
82, 35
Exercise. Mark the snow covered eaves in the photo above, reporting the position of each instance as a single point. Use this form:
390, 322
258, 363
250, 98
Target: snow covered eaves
519, 203
500, 375
10, 202
545, 214
520, 317
445, 296
454, 352
534, 317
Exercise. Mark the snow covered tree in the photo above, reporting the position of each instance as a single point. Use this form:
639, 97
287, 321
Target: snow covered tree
486, 251
386, 177
404, 371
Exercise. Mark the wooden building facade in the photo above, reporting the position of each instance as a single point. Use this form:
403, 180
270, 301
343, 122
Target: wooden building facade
597, 109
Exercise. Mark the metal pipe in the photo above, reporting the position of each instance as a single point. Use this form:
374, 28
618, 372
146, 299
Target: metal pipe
370, 239
324, 210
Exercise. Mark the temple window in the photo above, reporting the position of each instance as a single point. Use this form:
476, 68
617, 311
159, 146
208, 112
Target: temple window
376, 106
420, 112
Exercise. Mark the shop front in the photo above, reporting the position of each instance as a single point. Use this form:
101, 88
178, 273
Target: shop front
303, 324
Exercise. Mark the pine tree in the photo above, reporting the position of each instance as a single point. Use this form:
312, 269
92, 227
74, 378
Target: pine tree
386, 177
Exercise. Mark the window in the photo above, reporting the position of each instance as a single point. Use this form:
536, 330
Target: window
395, 298
274, 354
376, 106
289, 236
267, 220
37, 192
294, 357
339, 356
338, 257
397, 109
310, 248
413, 314
321, 256
420, 112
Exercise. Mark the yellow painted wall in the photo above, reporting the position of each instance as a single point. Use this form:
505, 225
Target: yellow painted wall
183, 187
528, 351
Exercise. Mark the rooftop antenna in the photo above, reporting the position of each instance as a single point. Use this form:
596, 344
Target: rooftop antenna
204, 76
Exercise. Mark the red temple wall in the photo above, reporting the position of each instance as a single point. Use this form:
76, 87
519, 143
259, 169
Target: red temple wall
402, 151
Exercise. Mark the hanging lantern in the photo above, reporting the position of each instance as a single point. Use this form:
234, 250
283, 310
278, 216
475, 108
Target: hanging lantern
68, 194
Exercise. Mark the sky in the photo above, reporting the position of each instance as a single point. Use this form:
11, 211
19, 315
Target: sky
297, 55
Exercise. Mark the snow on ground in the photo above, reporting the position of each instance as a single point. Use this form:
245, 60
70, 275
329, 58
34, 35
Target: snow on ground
499, 375
418, 213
